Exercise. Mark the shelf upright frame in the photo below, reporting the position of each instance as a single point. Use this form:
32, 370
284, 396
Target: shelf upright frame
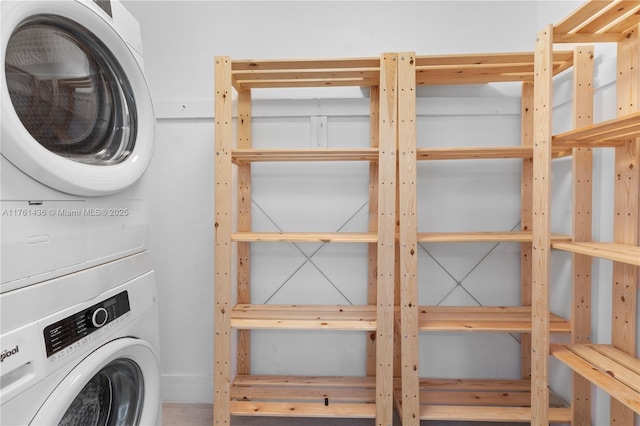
222, 241
625, 217
541, 244
408, 267
582, 175
386, 238
526, 215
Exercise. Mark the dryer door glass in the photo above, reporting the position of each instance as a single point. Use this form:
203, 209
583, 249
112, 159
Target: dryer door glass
112, 397
69, 91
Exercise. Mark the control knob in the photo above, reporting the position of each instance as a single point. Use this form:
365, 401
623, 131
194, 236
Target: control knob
99, 317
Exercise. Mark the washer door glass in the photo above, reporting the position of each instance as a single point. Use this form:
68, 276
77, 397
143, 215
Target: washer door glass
69, 91
112, 397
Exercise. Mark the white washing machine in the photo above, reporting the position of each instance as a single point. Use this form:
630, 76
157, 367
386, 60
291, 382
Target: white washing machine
80, 351
77, 135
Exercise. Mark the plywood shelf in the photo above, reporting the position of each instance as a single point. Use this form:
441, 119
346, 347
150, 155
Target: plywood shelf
616, 372
244, 156
482, 237
303, 396
305, 237
617, 252
516, 319
481, 400
310, 317
609, 133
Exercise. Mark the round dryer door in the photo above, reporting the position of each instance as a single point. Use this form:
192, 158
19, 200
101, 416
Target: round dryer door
118, 384
81, 119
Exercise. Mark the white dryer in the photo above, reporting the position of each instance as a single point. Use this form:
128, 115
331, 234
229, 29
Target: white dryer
77, 135
72, 359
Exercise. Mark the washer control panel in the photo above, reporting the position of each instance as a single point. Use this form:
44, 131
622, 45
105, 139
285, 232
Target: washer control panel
75, 330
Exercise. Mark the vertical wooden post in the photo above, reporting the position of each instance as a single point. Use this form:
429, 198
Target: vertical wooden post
625, 217
526, 198
386, 239
222, 230
374, 126
409, 333
244, 224
543, 70
582, 224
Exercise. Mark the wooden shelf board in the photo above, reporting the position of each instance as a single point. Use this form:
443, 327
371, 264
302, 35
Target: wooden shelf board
481, 237
617, 252
474, 153
480, 400
304, 64
614, 371
281, 73
326, 82
303, 396
605, 134
306, 237
242, 156
483, 319
598, 18
309, 317
482, 68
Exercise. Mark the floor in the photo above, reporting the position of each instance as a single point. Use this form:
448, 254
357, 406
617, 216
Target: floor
174, 414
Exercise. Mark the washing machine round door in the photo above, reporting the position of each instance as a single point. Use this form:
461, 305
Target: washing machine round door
117, 384
76, 110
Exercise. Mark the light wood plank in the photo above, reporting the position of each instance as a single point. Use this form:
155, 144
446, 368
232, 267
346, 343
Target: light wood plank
311, 317
605, 379
541, 228
295, 409
222, 240
305, 64
615, 12
621, 358
305, 381
620, 372
386, 239
626, 25
333, 82
600, 134
483, 237
243, 262
616, 252
305, 237
577, 18
372, 269
470, 153
407, 211
582, 176
526, 218
286, 393
242, 156
484, 319
488, 414
626, 194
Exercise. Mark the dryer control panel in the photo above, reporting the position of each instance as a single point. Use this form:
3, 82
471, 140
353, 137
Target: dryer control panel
75, 330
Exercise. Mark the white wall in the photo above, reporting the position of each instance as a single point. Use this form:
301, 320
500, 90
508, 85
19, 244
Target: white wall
182, 37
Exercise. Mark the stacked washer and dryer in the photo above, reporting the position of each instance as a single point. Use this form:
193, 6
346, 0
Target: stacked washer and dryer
78, 300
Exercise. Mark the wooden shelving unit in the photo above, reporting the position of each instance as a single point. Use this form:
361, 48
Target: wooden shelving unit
393, 318
458, 399
613, 367
244, 394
